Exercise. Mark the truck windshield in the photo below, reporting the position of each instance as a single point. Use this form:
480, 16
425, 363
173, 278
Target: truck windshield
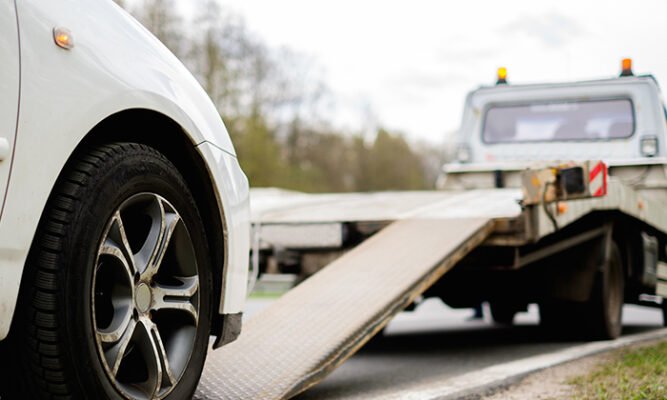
560, 120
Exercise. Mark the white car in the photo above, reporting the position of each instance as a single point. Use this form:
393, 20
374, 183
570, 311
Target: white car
124, 228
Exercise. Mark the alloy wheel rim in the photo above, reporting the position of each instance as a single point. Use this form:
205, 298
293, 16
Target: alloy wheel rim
145, 297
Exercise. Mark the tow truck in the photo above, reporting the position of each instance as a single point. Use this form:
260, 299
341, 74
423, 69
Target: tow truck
557, 197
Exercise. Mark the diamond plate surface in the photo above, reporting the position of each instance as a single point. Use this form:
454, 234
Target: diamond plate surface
316, 326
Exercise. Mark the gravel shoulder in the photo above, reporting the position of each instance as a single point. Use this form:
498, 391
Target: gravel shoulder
564, 381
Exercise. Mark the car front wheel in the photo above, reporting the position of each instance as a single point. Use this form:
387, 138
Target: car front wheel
116, 300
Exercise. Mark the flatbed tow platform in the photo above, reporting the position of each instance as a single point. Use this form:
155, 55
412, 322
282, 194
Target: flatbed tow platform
419, 237
316, 326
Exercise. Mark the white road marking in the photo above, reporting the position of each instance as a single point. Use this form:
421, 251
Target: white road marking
507, 373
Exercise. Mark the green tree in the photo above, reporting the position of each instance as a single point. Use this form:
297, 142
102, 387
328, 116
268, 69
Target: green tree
360, 155
393, 164
319, 161
259, 153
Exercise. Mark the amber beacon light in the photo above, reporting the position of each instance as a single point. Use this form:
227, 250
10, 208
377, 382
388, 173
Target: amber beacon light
626, 67
502, 76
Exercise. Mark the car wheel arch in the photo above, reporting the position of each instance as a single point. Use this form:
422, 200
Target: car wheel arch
161, 132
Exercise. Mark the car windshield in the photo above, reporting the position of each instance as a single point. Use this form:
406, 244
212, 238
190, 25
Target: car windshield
560, 120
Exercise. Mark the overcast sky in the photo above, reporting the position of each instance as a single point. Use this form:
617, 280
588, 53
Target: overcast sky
412, 62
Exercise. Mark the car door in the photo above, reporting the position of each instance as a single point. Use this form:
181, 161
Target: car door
9, 90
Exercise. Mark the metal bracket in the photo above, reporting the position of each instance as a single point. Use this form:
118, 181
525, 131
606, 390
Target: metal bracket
607, 243
561, 246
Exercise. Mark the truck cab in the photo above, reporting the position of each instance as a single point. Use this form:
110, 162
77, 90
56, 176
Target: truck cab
619, 119
509, 127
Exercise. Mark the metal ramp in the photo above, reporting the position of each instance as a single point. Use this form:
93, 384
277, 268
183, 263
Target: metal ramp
312, 329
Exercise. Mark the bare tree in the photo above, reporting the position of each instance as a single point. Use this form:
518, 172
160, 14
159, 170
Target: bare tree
246, 77
163, 19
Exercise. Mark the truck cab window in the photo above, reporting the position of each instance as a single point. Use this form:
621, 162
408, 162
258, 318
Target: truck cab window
559, 121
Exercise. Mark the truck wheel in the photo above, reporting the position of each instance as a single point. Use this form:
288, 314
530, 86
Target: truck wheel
603, 312
502, 313
116, 299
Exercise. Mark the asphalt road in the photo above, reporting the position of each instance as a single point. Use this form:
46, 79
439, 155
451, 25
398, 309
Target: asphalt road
435, 343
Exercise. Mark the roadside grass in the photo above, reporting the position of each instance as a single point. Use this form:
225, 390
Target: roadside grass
265, 295
631, 374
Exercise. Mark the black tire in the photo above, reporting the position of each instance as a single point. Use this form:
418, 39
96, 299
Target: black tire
602, 314
5, 370
503, 313
599, 318
664, 311
55, 337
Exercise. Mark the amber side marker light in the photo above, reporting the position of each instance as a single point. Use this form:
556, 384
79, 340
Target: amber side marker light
63, 38
502, 76
626, 67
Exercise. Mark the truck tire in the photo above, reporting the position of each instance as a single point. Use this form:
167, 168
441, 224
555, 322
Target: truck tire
602, 314
599, 318
116, 297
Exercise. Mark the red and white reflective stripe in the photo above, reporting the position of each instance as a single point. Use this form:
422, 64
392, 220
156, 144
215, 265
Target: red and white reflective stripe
597, 179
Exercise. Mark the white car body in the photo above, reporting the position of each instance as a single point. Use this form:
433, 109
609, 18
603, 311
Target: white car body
61, 96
